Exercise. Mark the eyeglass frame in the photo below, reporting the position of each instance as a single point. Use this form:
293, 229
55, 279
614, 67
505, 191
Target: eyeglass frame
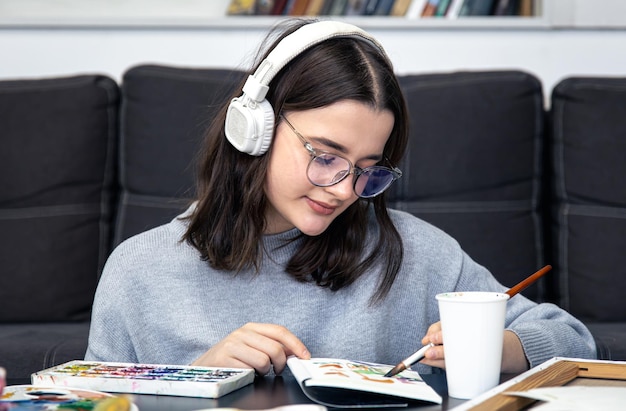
355, 170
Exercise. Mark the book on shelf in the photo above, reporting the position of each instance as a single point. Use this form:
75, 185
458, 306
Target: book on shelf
286, 8
264, 7
326, 5
355, 7
356, 384
442, 8
400, 8
477, 8
505, 8
526, 8
430, 8
519, 8
177, 380
278, 7
314, 8
241, 7
415, 9
370, 7
297, 7
383, 7
336, 7
454, 9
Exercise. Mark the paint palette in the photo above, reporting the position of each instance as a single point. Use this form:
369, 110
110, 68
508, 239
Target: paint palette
39, 398
177, 380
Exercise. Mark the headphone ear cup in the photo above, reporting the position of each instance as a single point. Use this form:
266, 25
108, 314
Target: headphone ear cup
250, 125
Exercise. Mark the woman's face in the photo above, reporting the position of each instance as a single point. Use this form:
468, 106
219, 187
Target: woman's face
348, 128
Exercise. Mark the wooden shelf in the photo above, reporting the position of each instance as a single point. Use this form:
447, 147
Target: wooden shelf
263, 22
211, 15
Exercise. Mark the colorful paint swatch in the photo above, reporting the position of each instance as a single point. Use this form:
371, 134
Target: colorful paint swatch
40, 398
177, 380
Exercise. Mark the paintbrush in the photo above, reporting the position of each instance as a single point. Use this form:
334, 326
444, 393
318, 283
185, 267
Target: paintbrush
528, 281
419, 354
408, 362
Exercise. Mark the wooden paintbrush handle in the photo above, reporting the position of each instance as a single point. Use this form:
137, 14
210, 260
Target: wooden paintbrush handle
528, 281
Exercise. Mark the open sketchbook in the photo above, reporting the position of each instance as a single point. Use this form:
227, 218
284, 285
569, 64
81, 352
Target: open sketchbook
356, 384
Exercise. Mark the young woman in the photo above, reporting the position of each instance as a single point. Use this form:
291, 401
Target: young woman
289, 248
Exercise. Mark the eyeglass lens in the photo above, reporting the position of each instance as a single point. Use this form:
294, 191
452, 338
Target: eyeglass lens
327, 169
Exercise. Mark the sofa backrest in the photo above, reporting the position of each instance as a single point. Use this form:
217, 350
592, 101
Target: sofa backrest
589, 215
474, 169
57, 161
165, 111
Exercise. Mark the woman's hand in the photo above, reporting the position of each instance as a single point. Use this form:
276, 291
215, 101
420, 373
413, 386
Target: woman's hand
434, 357
257, 346
513, 357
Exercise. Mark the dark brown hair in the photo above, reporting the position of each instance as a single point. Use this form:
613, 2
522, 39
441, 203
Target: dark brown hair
229, 220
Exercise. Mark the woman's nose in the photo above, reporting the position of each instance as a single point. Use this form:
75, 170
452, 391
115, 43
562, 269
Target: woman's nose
342, 190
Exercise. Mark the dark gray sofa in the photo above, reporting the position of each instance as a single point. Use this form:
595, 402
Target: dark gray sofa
87, 162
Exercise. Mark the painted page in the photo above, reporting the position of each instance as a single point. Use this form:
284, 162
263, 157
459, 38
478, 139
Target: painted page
346, 383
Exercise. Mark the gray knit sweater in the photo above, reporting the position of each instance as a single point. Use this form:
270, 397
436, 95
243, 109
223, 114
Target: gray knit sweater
158, 302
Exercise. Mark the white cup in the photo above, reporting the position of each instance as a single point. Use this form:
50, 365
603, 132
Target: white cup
473, 329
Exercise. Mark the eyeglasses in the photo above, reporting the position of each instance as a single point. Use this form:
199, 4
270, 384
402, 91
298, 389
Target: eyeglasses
327, 169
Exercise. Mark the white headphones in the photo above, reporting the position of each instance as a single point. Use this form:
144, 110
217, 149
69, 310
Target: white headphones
250, 117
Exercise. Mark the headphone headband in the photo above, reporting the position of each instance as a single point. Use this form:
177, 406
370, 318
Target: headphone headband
250, 118
299, 41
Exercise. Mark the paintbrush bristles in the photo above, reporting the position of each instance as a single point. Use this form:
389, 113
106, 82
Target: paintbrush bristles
396, 370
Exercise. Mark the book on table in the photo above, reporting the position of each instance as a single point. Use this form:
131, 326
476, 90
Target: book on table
176, 380
352, 384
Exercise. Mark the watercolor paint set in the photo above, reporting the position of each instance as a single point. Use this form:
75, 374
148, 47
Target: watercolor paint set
176, 380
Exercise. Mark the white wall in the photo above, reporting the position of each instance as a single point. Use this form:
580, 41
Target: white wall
550, 54
41, 38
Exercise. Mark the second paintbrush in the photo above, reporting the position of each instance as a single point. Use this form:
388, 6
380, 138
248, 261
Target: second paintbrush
419, 355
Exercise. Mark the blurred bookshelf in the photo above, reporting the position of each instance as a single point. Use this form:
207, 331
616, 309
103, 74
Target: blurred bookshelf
396, 14
406, 13
259, 14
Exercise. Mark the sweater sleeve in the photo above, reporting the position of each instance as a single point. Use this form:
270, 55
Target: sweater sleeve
545, 330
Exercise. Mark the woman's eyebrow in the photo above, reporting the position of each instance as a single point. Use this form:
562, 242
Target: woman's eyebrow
330, 144
340, 148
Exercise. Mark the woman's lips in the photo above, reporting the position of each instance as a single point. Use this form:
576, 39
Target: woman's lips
320, 208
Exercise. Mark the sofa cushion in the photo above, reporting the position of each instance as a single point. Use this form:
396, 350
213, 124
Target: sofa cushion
610, 338
57, 148
589, 148
473, 166
27, 348
164, 115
